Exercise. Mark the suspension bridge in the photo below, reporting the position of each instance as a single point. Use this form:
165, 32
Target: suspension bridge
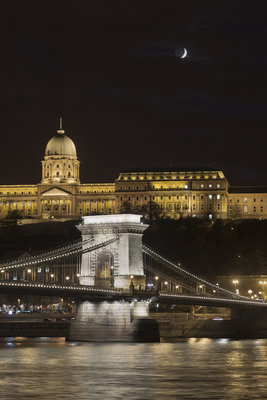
91, 269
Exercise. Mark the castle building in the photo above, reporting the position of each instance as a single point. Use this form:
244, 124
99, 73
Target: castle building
195, 192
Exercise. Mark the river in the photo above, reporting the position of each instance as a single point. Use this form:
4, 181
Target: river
48, 369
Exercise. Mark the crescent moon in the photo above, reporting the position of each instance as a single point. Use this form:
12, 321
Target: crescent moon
185, 53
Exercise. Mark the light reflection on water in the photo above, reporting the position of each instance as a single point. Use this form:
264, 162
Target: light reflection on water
47, 369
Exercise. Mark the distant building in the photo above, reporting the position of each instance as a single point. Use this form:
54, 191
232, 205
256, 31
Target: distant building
195, 192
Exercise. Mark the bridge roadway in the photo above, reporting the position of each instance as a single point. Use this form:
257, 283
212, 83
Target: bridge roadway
90, 293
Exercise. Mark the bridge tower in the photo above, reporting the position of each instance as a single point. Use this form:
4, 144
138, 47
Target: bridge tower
116, 262
119, 263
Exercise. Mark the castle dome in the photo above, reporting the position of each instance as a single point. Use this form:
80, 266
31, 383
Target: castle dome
60, 145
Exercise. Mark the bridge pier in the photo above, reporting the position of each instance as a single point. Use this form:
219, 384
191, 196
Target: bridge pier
117, 321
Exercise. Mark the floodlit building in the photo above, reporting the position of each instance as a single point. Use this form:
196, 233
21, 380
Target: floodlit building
187, 192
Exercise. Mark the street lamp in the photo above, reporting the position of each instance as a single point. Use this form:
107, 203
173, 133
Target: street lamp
235, 282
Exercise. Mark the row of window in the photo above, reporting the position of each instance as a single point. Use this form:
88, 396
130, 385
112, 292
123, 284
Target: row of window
169, 176
238, 209
14, 203
186, 186
95, 191
15, 193
218, 197
246, 200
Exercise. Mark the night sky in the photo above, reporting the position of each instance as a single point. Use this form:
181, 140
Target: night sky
109, 67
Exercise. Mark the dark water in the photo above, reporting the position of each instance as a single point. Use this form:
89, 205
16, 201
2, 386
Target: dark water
192, 369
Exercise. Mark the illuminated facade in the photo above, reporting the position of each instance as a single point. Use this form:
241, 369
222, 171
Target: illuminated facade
194, 192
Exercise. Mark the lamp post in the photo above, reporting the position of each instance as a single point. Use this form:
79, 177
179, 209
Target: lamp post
201, 289
250, 292
263, 283
235, 282
166, 285
156, 282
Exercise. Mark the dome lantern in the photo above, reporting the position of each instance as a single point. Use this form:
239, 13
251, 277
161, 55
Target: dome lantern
60, 144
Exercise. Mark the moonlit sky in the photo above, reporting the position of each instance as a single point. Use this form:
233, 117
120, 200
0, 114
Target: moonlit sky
109, 67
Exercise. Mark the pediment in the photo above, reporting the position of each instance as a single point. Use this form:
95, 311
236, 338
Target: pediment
55, 192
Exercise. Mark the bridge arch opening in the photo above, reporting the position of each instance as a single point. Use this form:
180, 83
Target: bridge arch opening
104, 274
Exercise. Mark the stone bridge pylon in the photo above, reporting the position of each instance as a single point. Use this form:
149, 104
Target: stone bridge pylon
119, 263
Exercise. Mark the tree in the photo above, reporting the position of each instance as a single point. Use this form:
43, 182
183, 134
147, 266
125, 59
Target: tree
151, 211
126, 207
10, 221
12, 218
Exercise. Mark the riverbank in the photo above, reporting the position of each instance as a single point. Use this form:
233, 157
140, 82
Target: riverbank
171, 326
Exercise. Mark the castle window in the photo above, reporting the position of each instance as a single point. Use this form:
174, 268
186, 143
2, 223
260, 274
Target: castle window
137, 198
137, 187
254, 199
261, 200
57, 166
261, 208
237, 200
202, 207
186, 186
245, 199
254, 209
218, 196
210, 196
69, 175
202, 186
202, 197
145, 197
194, 197
57, 173
245, 209
218, 185
218, 206
230, 200
210, 185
